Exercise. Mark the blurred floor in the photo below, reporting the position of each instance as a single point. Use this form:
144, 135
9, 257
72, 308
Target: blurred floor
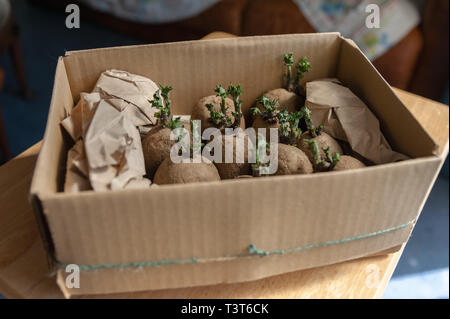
44, 38
422, 271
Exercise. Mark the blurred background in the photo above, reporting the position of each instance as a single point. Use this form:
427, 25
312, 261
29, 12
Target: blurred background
410, 50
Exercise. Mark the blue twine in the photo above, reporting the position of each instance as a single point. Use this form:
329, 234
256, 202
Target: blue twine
252, 251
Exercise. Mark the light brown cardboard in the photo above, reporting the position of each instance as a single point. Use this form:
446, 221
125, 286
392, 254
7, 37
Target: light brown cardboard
213, 221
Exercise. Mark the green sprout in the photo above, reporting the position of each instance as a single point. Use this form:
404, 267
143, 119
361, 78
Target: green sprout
269, 113
173, 124
223, 95
216, 117
302, 67
290, 131
162, 102
235, 92
333, 160
306, 116
220, 118
288, 59
319, 163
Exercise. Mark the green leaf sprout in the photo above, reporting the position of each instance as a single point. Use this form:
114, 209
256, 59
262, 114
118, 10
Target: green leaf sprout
162, 102
235, 93
270, 107
306, 116
220, 118
319, 163
290, 131
303, 66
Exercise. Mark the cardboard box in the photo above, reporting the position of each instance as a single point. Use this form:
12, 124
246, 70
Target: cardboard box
200, 234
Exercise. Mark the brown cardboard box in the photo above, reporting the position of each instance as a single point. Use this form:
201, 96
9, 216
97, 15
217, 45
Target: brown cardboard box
200, 234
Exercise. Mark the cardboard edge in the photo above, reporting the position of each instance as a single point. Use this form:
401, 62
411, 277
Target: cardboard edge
434, 147
36, 192
44, 230
189, 42
35, 188
306, 177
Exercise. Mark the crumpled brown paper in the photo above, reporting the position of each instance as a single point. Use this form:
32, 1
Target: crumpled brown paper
113, 148
77, 123
132, 93
77, 171
345, 117
105, 126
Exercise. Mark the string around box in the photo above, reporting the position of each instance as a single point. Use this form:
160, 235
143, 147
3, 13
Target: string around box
252, 252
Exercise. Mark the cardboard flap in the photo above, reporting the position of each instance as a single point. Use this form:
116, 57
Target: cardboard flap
49, 170
401, 128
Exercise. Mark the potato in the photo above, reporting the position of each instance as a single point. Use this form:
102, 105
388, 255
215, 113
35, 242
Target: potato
233, 170
286, 100
258, 122
347, 162
174, 173
200, 112
292, 160
323, 141
156, 147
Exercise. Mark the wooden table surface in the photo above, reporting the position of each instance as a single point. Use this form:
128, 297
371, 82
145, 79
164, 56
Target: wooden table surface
24, 271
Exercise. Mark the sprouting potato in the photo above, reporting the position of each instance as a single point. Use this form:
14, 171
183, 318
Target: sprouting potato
348, 162
156, 144
174, 173
234, 169
292, 160
323, 141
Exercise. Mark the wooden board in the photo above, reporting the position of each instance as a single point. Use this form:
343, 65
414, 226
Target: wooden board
24, 270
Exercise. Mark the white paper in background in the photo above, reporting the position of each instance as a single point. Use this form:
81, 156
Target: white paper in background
397, 19
346, 117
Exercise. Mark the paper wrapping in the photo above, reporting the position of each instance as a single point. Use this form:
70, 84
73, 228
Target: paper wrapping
106, 126
77, 171
78, 121
113, 148
133, 93
346, 117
